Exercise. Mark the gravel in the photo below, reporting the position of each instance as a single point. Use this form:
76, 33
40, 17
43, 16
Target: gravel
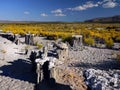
99, 67
94, 58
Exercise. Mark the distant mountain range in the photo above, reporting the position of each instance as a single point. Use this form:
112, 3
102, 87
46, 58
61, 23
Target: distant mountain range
105, 19
7, 21
113, 19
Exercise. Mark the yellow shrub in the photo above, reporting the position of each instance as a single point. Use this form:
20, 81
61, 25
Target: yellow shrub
89, 41
109, 43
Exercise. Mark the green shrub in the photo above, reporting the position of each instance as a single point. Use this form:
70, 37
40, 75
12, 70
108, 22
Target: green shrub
89, 41
52, 37
67, 39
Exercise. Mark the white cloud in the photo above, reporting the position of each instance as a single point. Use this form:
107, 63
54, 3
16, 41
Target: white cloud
90, 4
43, 14
60, 14
108, 0
26, 12
87, 5
109, 4
57, 11
99, 3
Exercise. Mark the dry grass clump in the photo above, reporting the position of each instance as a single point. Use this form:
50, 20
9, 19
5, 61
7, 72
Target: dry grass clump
39, 46
118, 57
71, 78
3, 51
27, 47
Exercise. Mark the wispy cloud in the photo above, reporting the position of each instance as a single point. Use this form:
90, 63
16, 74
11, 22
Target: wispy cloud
26, 12
43, 14
109, 4
58, 12
91, 4
87, 5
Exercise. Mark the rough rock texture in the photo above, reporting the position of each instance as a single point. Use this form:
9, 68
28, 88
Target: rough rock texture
104, 68
103, 80
16, 71
68, 77
16, 74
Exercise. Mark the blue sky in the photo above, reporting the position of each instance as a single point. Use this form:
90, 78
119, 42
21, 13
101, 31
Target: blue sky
57, 10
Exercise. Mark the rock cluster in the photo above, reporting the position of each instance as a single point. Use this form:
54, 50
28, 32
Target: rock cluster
102, 80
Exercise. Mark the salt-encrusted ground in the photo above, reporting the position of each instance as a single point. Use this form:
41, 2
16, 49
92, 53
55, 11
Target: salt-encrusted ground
94, 58
16, 74
99, 66
12, 75
16, 70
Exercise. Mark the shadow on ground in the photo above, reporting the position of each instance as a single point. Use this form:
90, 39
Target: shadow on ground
19, 69
22, 70
105, 65
51, 85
